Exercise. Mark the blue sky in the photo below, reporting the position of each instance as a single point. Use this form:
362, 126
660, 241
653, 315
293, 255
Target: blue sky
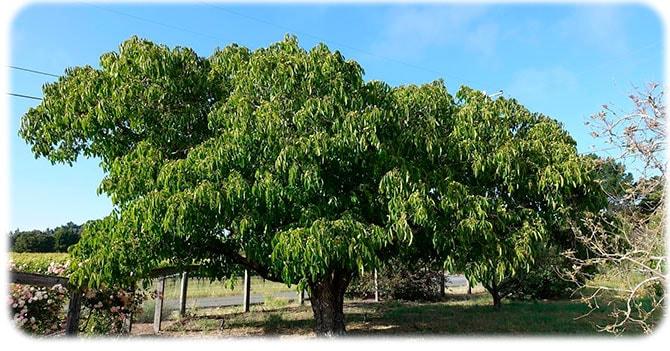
562, 60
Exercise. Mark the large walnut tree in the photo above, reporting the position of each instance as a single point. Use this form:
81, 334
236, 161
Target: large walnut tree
287, 162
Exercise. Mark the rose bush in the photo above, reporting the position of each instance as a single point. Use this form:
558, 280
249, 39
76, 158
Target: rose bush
42, 311
38, 310
109, 309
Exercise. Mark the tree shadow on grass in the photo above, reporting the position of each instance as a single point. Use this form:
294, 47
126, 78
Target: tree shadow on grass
449, 317
464, 297
276, 325
528, 318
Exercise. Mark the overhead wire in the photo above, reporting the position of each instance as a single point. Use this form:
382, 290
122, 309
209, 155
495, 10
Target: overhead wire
289, 29
337, 43
25, 96
34, 71
163, 24
259, 20
31, 71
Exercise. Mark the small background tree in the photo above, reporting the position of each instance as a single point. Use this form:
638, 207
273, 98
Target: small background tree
628, 258
49, 240
514, 179
32, 241
66, 236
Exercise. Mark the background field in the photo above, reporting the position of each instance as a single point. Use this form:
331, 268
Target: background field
36, 262
198, 287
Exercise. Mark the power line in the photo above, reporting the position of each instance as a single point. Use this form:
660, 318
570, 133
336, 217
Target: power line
25, 96
260, 20
31, 71
34, 71
166, 25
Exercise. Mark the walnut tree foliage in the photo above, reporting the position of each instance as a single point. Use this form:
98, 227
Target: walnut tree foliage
500, 186
286, 161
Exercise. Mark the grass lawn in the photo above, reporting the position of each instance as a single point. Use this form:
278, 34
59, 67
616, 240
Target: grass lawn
458, 314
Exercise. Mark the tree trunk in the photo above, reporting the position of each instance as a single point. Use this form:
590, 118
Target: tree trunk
327, 300
442, 283
496, 300
495, 294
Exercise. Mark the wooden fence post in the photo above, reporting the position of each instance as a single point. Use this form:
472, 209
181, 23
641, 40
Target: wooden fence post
469, 287
158, 308
129, 323
376, 287
442, 283
73, 310
182, 295
247, 290
301, 297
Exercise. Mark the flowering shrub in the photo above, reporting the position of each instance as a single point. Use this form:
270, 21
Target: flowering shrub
57, 269
109, 310
40, 310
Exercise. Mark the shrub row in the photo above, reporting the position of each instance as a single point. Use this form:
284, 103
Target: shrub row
399, 280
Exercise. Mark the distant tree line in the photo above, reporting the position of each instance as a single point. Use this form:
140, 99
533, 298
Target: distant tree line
50, 240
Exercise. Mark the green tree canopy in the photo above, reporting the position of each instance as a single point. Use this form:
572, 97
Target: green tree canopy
66, 236
501, 183
49, 240
32, 241
287, 162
